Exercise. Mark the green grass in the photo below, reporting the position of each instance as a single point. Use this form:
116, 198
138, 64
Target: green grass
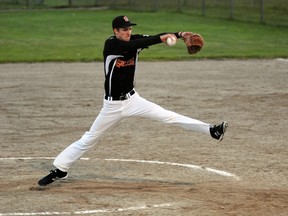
79, 35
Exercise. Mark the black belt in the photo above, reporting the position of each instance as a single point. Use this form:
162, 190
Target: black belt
121, 97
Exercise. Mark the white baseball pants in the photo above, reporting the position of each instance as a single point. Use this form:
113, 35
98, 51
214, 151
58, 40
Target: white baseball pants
111, 113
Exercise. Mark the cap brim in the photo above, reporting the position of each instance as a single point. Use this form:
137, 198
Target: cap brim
129, 24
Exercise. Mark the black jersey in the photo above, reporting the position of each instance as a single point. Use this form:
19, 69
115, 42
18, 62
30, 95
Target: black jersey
120, 60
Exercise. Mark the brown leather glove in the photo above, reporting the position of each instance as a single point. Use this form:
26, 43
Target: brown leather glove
194, 42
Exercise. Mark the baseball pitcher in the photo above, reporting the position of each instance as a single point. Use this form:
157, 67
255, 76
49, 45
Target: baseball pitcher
121, 99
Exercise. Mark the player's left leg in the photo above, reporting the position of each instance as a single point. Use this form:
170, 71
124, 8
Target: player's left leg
139, 106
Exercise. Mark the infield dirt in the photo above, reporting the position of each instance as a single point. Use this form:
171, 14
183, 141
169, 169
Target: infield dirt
46, 106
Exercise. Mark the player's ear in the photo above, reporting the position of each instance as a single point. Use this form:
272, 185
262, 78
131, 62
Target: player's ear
115, 30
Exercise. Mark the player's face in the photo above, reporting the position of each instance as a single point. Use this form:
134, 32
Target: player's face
123, 33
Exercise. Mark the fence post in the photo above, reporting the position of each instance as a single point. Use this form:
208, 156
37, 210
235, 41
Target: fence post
262, 11
231, 9
179, 5
155, 5
203, 8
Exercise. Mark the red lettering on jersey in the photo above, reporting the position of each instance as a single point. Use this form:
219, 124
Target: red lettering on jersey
121, 63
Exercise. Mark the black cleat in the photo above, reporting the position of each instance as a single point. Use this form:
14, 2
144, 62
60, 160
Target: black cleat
52, 176
218, 131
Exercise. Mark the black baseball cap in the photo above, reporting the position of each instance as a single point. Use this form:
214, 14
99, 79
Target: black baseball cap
121, 22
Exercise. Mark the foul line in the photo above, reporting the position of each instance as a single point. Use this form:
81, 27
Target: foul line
282, 59
218, 172
135, 208
115, 210
212, 170
34, 158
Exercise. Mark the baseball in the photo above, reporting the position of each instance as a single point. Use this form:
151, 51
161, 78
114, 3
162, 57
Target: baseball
171, 41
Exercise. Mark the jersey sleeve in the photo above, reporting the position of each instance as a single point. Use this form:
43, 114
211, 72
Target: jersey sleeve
136, 42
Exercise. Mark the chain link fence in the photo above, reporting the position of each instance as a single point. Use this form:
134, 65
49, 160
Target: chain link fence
272, 12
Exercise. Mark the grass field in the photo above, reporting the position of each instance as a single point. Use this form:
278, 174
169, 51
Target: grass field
78, 35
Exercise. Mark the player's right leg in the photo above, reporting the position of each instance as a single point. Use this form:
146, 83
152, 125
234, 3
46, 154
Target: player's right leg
52, 176
108, 117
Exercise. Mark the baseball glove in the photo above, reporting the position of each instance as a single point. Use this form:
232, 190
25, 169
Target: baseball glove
194, 42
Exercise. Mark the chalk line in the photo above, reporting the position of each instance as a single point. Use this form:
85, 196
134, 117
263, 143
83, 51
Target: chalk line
282, 60
133, 208
219, 172
34, 158
190, 166
115, 210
